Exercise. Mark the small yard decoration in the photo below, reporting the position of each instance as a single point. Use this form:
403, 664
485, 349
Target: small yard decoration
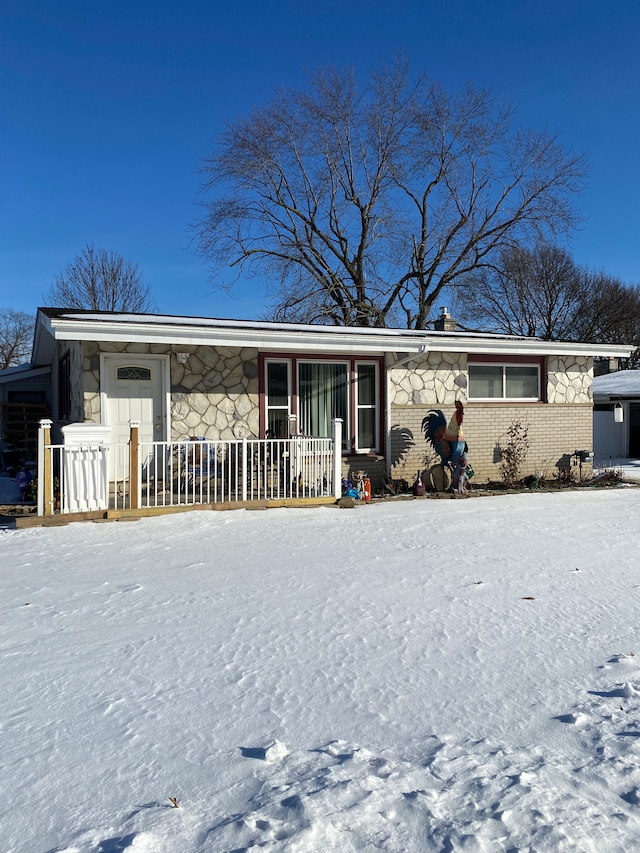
446, 439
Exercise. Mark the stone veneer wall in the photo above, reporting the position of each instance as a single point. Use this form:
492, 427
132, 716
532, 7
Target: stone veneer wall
215, 394
569, 379
557, 428
438, 378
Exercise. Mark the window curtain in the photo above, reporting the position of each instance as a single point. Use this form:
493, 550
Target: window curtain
485, 381
322, 396
522, 382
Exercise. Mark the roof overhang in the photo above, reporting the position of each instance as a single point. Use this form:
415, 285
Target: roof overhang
24, 371
620, 385
55, 325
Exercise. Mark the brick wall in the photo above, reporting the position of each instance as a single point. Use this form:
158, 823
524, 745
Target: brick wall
555, 432
373, 466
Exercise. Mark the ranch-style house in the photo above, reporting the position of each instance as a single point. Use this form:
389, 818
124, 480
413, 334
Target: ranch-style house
182, 378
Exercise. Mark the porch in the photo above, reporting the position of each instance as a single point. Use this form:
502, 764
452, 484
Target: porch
149, 477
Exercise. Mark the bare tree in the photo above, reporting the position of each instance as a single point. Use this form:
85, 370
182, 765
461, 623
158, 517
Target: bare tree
100, 280
611, 312
362, 203
16, 333
542, 292
536, 292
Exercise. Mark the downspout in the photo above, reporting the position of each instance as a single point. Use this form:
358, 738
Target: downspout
423, 349
387, 417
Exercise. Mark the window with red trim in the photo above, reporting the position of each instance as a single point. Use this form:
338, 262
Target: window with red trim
492, 379
305, 394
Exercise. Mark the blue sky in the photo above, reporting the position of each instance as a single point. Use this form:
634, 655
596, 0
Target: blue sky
106, 109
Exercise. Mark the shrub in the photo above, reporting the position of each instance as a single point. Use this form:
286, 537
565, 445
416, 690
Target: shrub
513, 452
31, 492
566, 476
609, 477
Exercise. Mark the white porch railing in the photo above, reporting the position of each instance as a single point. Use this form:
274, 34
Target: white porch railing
140, 474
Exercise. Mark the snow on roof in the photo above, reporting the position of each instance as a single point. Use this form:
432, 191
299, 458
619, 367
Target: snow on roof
18, 371
16, 368
622, 383
65, 324
262, 325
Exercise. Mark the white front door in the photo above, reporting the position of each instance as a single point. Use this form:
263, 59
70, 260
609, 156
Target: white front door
134, 390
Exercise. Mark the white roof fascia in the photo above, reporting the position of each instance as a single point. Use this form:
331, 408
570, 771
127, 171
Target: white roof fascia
276, 340
528, 346
318, 339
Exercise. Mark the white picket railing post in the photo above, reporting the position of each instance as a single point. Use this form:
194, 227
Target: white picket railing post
244, 469
44, 440
337, 458
134, 465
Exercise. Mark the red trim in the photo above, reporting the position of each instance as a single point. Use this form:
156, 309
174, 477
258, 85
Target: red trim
501, 359
351, 360
353, 406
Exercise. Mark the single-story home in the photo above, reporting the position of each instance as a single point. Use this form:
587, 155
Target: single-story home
231, 379
616, 415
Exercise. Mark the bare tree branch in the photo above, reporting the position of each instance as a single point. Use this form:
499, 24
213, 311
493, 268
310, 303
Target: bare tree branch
16, 334
360, 204
100, 280
543, 293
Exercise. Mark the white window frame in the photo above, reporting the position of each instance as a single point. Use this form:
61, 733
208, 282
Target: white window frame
268, 408
350, 425
375, 407
504, 365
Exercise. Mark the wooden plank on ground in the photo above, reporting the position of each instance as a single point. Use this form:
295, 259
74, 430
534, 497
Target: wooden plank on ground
59, 519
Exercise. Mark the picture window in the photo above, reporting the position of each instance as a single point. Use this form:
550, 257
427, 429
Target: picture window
492, 381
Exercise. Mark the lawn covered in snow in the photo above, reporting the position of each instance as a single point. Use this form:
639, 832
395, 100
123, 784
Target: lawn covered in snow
413, 676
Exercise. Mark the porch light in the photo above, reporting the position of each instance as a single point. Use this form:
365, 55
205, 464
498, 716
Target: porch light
182, 357
618, 413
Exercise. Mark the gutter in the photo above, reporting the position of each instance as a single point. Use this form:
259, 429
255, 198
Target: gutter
423, 349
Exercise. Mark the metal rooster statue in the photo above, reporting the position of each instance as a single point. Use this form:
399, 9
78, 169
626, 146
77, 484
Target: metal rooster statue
446, 439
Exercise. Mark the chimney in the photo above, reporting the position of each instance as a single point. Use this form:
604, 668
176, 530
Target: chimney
605, 365
444, 323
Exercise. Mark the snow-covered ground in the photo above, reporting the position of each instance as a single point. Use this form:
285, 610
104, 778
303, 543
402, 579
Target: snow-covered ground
411, 676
